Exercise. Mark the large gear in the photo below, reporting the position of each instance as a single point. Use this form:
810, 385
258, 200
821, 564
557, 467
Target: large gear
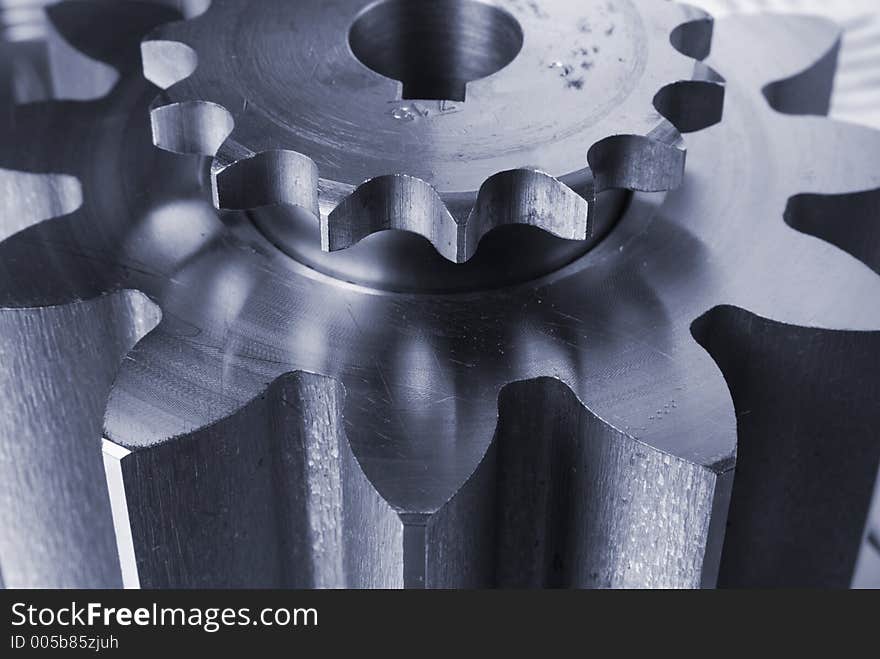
554, 412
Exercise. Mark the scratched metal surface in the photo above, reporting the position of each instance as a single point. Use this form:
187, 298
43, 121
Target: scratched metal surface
422, 374
57, 367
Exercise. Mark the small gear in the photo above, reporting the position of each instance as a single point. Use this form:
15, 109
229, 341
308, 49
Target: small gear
551, 412
329, 110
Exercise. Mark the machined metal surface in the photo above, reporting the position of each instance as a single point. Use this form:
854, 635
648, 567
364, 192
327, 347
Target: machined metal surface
856, 99
417, 116
591, 414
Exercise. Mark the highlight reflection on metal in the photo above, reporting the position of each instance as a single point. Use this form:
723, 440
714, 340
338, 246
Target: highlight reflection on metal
550, 413
857, 85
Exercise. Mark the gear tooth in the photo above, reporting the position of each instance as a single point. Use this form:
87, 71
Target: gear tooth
191, 127
816, 172
269, 178
269, 496
29, 199
787, 409
562, 499
636, 162
848, 221
37, 274
35, 208
807, 92
705, 73
804, 294
395, 201
73, 73
184, 120
679, 384
152, 399
118, 47
799, 77
59, 363
529, 196
83, 65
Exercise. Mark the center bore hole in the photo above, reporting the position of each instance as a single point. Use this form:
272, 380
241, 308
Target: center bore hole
435, 47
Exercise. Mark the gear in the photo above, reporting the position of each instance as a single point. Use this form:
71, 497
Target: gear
856, 95
314, 108
290, 417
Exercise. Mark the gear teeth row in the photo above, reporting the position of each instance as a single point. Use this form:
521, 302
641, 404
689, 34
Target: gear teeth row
287, 504
856, 94
245, 177
835, 187
522, 196
569, 511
